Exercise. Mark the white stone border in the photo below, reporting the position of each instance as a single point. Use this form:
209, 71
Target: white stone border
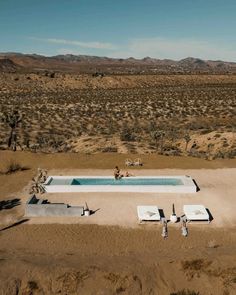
187, 187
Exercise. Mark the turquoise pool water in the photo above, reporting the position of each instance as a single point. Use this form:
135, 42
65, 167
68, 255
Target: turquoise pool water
112, 181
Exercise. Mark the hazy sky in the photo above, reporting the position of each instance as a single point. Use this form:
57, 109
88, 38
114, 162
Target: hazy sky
120, 28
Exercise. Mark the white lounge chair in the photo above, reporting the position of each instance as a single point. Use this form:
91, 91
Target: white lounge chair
129, 162
148, 213
138, 162
196, 213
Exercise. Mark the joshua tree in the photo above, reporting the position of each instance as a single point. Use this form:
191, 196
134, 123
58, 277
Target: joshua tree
13, 119
187, 139
158, 136
172, 134
36, 187
127, 134
210, 148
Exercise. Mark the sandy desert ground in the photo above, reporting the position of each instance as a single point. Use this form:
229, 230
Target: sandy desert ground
90, 257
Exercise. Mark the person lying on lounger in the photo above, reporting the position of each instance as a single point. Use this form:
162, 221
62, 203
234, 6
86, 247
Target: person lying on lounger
128, 174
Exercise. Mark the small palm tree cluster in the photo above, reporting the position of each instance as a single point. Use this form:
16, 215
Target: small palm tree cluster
38, 181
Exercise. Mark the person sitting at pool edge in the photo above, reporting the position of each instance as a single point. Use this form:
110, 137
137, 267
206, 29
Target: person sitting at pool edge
117, 174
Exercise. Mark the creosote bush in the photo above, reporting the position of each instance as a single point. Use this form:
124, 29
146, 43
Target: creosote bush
153, 110
195, 264
185, 292
12, 167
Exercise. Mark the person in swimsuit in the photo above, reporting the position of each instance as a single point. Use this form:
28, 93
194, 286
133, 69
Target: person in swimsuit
117, 173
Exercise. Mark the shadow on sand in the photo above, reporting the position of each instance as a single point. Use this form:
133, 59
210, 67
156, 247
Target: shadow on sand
162, 214
198, 188
210, 215
9, 204
15, 224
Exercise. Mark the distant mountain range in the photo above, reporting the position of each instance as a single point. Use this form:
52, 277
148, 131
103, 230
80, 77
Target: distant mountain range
13, 62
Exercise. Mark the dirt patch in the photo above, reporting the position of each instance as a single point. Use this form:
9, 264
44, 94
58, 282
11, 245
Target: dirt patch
117, 263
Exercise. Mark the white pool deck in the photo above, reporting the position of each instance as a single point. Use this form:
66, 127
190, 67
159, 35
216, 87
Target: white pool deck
187, 186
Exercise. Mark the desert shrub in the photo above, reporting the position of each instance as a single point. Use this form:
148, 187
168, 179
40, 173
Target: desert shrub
228, 155
220, 155
127, 135
195, 264
12, 167
130, 147
217, 135
203, 132
212, 244
32, 285
185, 292
109, 149
170, 150
225, 144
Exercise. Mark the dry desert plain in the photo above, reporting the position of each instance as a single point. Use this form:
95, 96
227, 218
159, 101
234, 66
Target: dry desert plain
166, 114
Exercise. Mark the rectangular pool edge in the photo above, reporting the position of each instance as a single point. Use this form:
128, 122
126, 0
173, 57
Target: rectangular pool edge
187, 186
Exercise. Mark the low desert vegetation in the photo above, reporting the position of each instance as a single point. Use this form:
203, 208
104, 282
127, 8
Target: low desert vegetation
185, 292
198, 267
170, 115
12, 166
195, 264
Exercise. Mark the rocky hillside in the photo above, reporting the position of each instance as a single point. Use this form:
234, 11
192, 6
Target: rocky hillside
7, 65
106, 65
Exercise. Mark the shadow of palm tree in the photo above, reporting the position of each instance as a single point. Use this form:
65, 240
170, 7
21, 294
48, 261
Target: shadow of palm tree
9, 204
15, 224
94, 211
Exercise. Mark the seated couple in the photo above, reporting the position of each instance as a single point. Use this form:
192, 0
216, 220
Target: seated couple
119, 175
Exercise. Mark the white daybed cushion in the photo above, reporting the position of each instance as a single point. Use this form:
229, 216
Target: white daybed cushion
196, 212
148, 213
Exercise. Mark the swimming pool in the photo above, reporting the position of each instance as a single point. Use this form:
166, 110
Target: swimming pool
183, 184
112, 181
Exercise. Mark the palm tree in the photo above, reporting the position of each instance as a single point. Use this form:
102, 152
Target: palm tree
37, 184
13, 119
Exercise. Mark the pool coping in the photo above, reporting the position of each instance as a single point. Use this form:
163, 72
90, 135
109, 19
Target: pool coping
188, 185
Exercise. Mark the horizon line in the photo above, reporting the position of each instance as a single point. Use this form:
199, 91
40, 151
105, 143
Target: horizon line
113, 58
